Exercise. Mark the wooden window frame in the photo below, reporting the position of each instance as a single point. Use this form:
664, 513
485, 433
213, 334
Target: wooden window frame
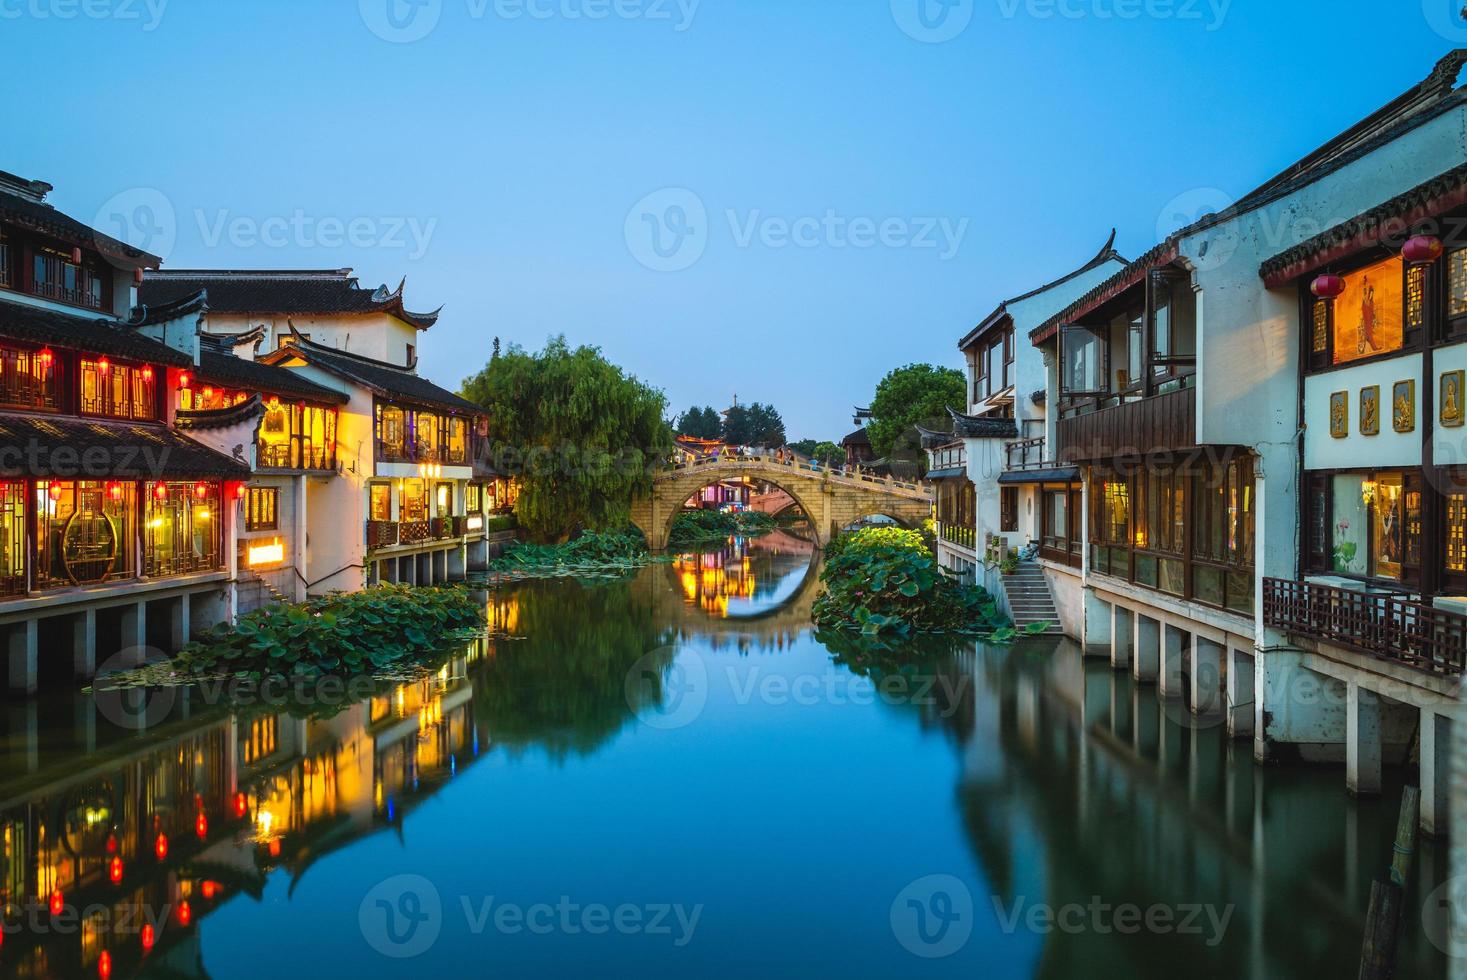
258, 515
1008, 510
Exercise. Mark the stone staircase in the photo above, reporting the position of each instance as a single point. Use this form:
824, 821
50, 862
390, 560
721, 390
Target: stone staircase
1030, 600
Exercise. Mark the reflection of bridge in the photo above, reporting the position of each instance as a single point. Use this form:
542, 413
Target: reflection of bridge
831, 498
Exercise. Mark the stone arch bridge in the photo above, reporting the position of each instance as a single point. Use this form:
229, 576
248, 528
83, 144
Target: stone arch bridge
831, 498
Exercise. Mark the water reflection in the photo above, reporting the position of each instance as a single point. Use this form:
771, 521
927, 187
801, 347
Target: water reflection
1031, 776
748, 577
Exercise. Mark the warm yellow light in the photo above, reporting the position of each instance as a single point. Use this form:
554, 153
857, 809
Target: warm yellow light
264, 820
267, 553
474, 523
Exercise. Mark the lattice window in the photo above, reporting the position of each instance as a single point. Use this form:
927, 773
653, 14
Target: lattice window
1457, 532
1415, 297
1321, 327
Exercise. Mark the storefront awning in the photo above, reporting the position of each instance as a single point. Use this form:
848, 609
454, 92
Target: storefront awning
952, 473
1058, 474
37, 447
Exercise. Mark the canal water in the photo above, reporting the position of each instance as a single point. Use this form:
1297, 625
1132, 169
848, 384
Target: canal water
672, 775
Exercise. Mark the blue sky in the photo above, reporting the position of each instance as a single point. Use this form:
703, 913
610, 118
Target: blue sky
835, 190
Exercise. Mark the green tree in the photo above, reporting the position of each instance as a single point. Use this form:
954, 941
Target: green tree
911, 395
700, 423
755, 424
828, 453
580, 434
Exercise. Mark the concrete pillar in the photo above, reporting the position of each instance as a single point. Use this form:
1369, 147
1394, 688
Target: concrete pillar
1145, 723
84, 643
1206, 678
300, 557
84, 722
1120, 708
1122, 637
1436, 772
134, 634
1095, 706
23, 651
1098, 615
457, 562
1239, 693
1145, 666
1174, 653
1362, 742
178, 623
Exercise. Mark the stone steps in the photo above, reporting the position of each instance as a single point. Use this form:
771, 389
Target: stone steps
1030, 599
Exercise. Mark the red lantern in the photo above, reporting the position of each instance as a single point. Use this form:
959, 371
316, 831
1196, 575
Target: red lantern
46, 356
114, 490
185, 914
201, 489
1422, 250
208, 392
241, 805
75, 255
111, 843
137, 277
160, 846
57, 904
201, 825
183, 379
160, 491
147, 936
55, 491
104, 965
240, 491
114, 869
103, 364
147, 372
1327, 287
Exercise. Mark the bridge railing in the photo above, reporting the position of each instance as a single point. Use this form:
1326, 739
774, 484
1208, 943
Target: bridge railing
854, 475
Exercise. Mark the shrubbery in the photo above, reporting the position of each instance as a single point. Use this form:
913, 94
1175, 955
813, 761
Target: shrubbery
693, 527
884, 580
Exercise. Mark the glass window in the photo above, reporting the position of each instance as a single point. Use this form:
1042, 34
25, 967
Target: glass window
390, 442
117, 390
1135, 349
55, 276
414, 503
1348, 535
458, 441
274, 438
12, 537
1457, 532
29, 378
425, 427
1389, 518
181, 528
262, 509
1083, 359
1369, 314
445, 499
473, 498
84, 532
381, 501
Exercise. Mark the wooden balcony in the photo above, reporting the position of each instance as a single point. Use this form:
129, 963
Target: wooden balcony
1025, 454
1161, 423
1385, 626
381, 534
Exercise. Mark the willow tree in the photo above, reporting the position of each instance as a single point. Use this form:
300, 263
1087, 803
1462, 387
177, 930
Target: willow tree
580, 434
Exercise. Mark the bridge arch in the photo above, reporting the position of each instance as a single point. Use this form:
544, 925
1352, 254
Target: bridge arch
832, 499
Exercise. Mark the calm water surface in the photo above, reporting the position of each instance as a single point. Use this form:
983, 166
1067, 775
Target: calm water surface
671, 775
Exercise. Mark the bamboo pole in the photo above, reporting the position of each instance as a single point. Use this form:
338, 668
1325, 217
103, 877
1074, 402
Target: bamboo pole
1383, 919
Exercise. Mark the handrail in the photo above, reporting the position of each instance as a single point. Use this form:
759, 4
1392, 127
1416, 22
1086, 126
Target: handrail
810, 468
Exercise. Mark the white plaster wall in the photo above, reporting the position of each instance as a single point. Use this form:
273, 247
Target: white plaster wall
1390, 448
1449, 445
375, 335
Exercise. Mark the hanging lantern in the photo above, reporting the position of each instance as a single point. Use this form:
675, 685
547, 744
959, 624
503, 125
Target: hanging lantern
201, 489
209, 889
104, 965
114, 869
76, 255
240, 491
114, 490
160, 491
160, 846
54, 490
147, 372
103, 365
201, 825
183, 379
111, 843
1422, 250
208, 392
46, 356
1327, 287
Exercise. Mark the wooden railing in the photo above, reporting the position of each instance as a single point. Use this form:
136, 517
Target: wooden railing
381, 534
1385, 626
959, 535
413, 532
1025, 454
838, 474
1164, 422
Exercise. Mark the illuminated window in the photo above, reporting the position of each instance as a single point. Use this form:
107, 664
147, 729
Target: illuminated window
298, 437
12, 537
414, 503
117, 390
207, 398
381, 502
458, 443
1457, 532
425, 432
390, 432
55, 276
1457, 283
445, 499
1319, 342
473, 498
262, 509
181, 528
84, 532
29, 378
1369, 314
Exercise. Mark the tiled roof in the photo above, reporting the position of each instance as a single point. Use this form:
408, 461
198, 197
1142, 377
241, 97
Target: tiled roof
143, 316
858, 438
236, 372
220, 418
21, 321
973, 427
1126, 278
1383, 224
39, 216
92, 449
266, 292
386, 379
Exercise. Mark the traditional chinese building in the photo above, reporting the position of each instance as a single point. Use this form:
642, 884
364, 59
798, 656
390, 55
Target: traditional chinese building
115, 529
360, 435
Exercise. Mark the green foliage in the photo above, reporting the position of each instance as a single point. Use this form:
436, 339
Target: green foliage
700, 423
912, 395
348, 633
886, 581
589, 555
753, 425
695, 527
822, 452
500, 522
580, 434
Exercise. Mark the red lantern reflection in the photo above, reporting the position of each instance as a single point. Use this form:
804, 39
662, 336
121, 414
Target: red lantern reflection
160, 846
104, 965
114, 869
57, 904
